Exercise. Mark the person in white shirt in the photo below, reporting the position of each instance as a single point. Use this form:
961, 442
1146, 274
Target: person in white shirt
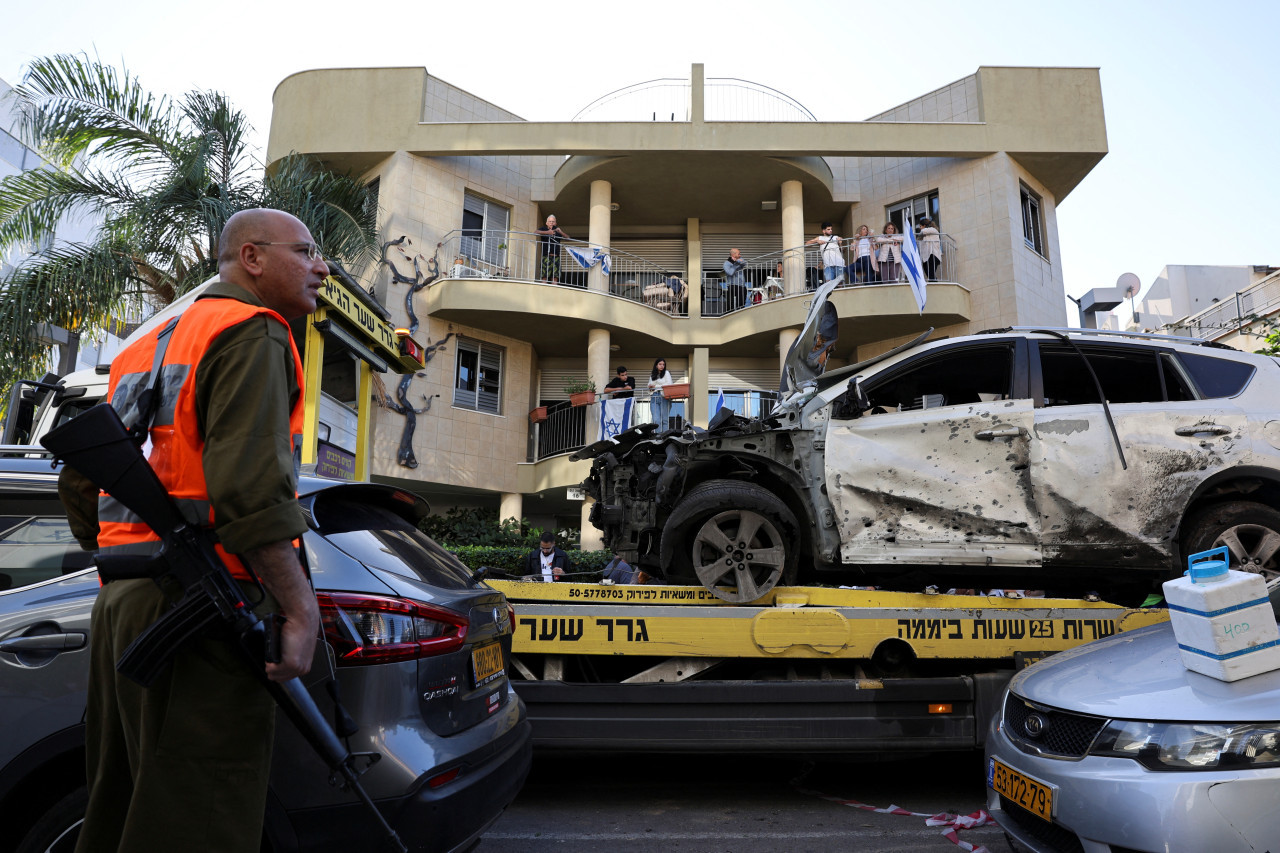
660, 406
832, 257
864, 257
890, 255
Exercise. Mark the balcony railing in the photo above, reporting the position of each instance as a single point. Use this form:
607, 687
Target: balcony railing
763, 275
520, 256
568, 428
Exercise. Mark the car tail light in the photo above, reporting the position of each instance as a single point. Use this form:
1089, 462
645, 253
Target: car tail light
511, 617
366, 629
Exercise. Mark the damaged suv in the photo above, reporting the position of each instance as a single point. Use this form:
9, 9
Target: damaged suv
1071, 460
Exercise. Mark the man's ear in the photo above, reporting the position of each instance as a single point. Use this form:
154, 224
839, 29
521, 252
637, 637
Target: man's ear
251, 258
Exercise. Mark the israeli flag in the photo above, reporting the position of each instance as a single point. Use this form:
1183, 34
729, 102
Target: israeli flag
912, 265
587, 260
719, 403
615, 417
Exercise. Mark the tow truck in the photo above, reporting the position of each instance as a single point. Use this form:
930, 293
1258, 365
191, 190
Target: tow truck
800, 670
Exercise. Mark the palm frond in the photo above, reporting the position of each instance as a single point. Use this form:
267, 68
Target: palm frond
71, 104
33, 202
339, 209
74, 286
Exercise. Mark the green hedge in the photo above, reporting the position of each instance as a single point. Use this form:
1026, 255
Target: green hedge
588, 566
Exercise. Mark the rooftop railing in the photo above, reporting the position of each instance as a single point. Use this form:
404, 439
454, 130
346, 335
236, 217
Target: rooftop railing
763, 280
1232, 315
519, 256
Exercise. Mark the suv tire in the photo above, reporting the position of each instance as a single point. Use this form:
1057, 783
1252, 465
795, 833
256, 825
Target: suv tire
701, 541
1250, 531
57, 829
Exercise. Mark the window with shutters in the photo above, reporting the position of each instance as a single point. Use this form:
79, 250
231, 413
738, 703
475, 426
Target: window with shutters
477, 382
484, 230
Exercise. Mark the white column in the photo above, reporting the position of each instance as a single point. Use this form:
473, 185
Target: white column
511, 506
693, 274
695, 408
793, 235
786, 337
598, 229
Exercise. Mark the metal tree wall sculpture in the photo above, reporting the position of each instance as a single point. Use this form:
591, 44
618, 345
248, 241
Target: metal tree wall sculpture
416, 282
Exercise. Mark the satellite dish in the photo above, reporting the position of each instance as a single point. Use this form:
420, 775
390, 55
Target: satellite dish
1130, 284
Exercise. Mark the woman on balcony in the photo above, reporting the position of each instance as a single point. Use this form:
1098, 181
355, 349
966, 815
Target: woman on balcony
864, 258
930, 248
890, 255
660, 406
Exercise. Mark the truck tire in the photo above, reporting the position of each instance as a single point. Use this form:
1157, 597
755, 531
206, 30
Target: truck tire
57, 829
736, 539
1250, 531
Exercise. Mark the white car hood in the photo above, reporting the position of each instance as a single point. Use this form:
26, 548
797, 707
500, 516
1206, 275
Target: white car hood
1138, 675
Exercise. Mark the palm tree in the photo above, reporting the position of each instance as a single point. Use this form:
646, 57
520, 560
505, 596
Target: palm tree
163, 177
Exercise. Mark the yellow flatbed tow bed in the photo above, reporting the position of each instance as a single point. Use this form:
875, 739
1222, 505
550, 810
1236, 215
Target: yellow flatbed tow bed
803, 669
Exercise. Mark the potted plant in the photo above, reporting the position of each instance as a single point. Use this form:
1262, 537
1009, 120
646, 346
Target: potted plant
676, 390
538, 415
581, 392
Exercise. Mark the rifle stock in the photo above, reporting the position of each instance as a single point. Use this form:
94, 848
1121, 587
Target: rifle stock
99, 446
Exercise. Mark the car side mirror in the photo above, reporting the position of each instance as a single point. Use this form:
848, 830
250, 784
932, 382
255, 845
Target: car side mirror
858, 394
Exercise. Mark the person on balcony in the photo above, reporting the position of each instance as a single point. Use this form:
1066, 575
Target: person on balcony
832, 256
735, 280
890, 254
621, 386
930, 248
659, 405
549, 250
547, 562
864, 258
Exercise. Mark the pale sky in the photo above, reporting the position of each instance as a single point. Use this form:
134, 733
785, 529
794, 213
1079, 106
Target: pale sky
1189, 89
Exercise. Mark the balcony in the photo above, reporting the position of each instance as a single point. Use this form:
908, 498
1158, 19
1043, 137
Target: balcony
763, 279
500, 281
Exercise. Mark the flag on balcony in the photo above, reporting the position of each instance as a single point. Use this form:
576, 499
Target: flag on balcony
587, 260
913, 266
719, 403
615, 417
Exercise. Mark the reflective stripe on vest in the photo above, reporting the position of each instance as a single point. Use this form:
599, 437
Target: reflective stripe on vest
175, 447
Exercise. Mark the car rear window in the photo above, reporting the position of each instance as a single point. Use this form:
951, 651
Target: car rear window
1217, 377
381, 539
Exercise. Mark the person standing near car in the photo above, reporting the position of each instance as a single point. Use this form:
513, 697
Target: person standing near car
184, 763
547, 562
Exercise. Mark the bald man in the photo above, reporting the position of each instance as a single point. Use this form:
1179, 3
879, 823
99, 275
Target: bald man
183, 764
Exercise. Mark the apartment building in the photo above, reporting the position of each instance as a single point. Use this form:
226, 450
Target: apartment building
652, 200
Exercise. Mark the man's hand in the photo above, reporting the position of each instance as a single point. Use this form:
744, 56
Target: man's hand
277, 565
557, 572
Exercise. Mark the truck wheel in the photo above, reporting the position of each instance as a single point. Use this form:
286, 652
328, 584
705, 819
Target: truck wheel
57, 829
1250, 531
736, 539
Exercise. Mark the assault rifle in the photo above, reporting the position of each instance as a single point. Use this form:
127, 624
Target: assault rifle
99, 446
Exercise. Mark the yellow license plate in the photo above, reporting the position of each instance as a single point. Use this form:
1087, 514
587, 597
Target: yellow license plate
486, 663
1032, 794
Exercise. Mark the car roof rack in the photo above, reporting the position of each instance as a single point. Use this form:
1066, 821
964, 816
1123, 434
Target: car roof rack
1108, 333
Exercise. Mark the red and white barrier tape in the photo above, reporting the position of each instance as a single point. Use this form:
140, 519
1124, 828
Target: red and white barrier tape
954, 823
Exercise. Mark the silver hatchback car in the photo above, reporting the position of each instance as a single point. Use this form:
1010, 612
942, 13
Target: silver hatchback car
1114, 747
420, 651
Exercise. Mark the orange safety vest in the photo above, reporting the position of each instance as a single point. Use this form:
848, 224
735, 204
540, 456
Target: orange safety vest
175, 447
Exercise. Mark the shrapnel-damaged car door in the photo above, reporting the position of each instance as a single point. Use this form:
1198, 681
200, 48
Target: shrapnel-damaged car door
1173, 437
937, 471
